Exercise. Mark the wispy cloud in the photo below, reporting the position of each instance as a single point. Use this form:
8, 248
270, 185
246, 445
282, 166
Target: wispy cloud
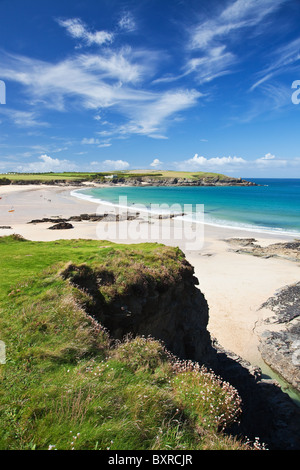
23, 118
94, 81
215, 63
127, 22
77, 29
212, 38
284, 59
152, 118
235, 17
97, 142
90, 141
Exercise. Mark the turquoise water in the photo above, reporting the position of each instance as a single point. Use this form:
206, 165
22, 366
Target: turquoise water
273, 206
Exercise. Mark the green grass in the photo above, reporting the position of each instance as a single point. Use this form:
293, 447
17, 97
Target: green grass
66, 384
68, 176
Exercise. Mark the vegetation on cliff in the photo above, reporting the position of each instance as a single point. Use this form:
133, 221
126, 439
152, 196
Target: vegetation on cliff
67, 384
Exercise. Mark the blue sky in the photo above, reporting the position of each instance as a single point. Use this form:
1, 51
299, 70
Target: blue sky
201, 85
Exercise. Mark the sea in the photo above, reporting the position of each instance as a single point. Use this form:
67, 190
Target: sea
273, 206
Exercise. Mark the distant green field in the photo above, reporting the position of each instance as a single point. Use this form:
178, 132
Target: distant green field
46, 176
88, 176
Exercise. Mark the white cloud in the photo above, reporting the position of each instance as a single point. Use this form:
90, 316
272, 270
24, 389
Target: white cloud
200, 162
156, 162
270, 160
78, 30
46, 164
115, 164
268, 156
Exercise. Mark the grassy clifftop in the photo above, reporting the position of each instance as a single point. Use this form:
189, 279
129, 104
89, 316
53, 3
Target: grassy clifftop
66, 384
69, 177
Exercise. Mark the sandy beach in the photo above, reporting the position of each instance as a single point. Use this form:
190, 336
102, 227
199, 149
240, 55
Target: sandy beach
235, 285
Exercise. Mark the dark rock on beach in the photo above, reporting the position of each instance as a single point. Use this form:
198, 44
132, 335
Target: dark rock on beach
61, 226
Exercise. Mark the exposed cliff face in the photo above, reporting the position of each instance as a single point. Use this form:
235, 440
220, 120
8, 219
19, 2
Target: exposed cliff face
175, 313
178, 316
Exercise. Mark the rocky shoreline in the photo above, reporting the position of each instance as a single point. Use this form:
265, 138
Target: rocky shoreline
207, 181
280, 343
279, 334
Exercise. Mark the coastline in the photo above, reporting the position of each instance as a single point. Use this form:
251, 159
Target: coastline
235, 285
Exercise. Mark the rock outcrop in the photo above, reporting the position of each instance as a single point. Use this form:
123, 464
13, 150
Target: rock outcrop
280, 342
286, 250
267, 411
